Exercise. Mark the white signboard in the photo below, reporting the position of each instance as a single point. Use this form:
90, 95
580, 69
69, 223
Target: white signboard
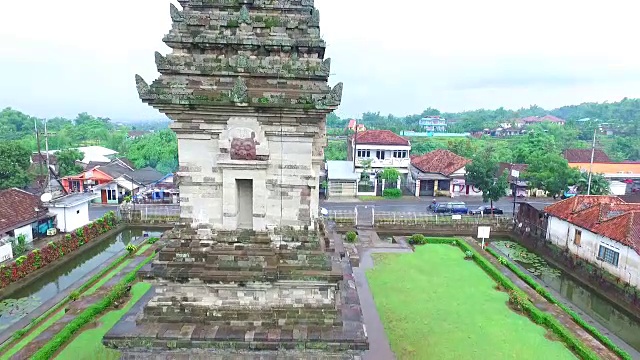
515, 173
483, 232
456, 217
6, 252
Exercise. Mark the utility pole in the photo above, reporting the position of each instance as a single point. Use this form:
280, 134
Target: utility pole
355, 147
39, 157
46, 147
593, 152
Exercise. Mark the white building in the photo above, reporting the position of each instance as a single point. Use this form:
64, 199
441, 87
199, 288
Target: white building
603, 230
72, 211
382, 149
22, 214
98, 154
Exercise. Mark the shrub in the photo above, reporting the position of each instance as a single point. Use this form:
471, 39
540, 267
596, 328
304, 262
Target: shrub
351, 237
131, 248
75, 295
88, 315
152, 240
392, 193
417, 239
545, 294
468, 255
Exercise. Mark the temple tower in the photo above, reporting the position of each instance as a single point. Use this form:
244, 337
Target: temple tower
250, 273
246, 85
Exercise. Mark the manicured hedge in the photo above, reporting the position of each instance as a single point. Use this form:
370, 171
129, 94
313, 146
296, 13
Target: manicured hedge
544, 293
88, 315
36, 259
538, 316
84, 287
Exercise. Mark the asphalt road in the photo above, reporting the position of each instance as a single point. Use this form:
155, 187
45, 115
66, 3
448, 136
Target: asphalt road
406, 204
420, 205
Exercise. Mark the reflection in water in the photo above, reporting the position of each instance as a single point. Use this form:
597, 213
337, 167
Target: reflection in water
596, 306
27, 299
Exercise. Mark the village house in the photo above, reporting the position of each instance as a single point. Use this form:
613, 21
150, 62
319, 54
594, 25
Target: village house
516, 183
440, 173
619, 174
136, 134
433, 124
352, 125
533, 120
92, 154
342, 179
379, 149
603, 230
23, 214
72, 211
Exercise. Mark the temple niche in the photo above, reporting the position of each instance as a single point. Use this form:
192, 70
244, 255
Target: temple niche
248, 273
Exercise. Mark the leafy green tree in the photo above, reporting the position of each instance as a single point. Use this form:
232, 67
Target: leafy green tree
551, 173
482, 172
67, 162
599, 184
158, 150
14, 165
336, 150
390, 175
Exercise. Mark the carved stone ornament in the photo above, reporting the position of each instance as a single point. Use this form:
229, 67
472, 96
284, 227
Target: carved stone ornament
244, 18
333, 98
161, 61
315, 18
240, 92
176, 15
243, 148
307, 3
325, 67
142, 86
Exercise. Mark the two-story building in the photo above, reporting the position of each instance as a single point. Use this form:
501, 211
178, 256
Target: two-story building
433, 124
617, 173
379, 149
603, 230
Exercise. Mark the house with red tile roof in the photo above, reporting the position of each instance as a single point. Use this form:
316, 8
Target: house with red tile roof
603, 230
439, 173
22, 213
353, 124
618, 173
380, 149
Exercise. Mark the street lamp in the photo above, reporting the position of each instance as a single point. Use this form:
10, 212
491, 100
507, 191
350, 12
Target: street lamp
37, 222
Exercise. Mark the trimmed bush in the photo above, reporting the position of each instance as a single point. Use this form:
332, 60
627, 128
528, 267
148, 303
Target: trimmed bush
88, 315
468, 255
417, 239
131, 248
351, 237
152, 240
54, 250
545, 294
392, 193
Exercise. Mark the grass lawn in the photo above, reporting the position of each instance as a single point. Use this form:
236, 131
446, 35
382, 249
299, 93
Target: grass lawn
88, 344
436, 305
34, 334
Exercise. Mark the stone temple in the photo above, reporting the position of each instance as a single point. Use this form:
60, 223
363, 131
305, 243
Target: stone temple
250, 272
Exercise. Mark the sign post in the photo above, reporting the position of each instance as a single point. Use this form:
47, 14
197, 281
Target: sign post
483, 233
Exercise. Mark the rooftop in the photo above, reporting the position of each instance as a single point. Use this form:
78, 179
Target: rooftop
18, 208
608, 216
341, 170
584, 156
380, 137
72, 200
439, 161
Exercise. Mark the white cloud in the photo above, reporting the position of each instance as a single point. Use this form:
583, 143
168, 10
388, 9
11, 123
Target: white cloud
398, 57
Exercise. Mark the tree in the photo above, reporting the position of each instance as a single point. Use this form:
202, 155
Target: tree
551, 173
599, 184
67, 162
14, 165
158, 150
390, 176
483, 174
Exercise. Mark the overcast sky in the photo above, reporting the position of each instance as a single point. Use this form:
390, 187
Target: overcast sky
59, 58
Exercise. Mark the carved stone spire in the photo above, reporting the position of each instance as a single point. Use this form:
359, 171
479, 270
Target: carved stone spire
176, 15
240, 92
142, 86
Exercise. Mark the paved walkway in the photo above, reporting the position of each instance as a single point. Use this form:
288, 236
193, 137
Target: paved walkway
542, 304
379, 348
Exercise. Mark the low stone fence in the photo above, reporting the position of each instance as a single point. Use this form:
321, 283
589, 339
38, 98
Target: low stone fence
135, 217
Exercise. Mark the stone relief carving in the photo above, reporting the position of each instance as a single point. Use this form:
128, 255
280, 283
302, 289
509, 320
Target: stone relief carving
240, 92
176, 15
315, 18
244, 148
244, 18
161, 61
333, 98
325, 67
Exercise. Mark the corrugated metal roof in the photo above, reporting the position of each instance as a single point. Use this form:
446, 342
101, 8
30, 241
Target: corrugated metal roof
341, 170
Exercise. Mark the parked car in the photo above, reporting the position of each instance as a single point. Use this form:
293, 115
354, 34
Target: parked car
486, 210
451, 208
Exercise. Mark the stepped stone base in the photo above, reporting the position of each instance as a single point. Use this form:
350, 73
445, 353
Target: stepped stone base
265, 312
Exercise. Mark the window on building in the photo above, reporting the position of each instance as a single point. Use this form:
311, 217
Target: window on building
400, 154
608, 255
577, 239
112, 195
380, 154
364, 153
